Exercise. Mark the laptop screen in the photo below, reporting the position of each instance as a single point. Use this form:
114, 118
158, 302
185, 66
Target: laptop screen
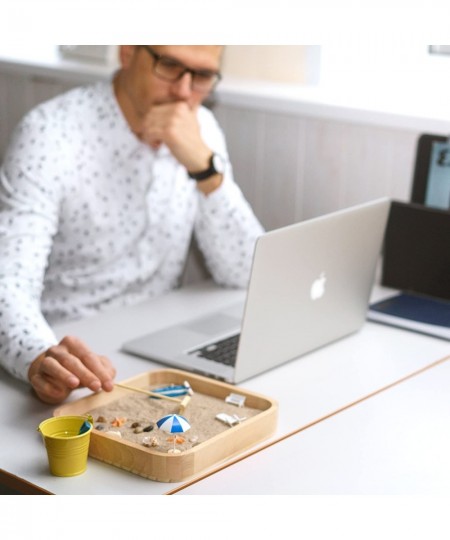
416, 250
431, 182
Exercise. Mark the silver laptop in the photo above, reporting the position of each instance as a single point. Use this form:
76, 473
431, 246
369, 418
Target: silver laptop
310, 285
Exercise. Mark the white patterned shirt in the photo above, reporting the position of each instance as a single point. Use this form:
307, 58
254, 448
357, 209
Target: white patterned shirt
92, 218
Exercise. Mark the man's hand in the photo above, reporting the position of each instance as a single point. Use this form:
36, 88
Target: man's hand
66, 366
176, 125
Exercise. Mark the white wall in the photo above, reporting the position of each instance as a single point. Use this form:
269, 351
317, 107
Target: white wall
294, 64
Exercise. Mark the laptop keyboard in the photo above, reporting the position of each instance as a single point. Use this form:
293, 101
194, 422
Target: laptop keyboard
223, 351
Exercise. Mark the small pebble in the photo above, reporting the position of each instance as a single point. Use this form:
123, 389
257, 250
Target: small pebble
138, 430
100, 427
135, 424
101, 419
148, 428
193, 439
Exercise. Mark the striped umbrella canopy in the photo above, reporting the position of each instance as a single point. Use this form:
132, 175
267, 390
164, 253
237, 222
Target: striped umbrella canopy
173, 423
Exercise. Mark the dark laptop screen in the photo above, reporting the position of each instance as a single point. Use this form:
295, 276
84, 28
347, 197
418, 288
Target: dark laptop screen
416, 254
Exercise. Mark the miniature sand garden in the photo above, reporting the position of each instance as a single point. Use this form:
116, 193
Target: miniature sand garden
134, 418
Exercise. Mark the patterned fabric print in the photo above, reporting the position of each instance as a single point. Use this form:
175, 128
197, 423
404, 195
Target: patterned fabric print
92, 218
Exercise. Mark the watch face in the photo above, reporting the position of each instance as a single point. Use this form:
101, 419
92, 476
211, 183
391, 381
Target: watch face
218, 163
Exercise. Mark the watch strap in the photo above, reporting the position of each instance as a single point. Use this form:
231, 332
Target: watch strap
206, 173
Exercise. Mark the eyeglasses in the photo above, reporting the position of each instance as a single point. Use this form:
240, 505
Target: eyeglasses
169, 69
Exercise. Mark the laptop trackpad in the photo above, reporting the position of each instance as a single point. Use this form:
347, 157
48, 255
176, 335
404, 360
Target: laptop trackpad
215, 324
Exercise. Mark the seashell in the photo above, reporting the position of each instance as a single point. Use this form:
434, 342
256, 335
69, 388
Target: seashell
115, 433
150, 442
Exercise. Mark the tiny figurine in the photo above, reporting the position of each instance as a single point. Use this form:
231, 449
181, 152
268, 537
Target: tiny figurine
118, 421
228, 419
236, 399
173, 423
174, 390
161, 394
178, 439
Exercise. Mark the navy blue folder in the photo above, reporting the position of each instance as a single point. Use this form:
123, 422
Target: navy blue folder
414, 312
416, 308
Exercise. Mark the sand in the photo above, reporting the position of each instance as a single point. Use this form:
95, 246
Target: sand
132, 414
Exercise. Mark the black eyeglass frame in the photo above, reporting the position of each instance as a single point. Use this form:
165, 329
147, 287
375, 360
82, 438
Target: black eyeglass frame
215, 75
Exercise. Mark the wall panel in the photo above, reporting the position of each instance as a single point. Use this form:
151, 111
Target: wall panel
293, 167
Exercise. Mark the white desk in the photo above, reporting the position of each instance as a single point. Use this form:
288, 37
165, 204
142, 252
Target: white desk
306, 389
396, 442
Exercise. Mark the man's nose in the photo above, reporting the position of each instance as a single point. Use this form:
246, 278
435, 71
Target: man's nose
182, 88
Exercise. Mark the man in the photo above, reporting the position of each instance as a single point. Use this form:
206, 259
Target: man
100, 192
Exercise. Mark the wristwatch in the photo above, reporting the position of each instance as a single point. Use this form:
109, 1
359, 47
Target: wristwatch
216, 166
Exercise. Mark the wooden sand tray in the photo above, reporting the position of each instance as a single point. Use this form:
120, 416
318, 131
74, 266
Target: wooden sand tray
143, 449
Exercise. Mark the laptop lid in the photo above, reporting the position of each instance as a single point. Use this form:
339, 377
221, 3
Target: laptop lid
416, 252
310, 285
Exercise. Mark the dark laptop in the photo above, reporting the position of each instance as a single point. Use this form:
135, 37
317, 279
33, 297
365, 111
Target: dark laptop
416, 260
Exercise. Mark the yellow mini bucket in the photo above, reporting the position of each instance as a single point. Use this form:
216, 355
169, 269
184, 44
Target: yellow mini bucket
67, 448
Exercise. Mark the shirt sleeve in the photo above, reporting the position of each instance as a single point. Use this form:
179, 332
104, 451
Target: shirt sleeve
226, 227
28, 221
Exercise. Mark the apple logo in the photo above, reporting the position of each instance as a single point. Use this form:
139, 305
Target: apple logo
318, 287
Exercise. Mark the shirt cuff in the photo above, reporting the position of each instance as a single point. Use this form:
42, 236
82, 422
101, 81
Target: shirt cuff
222, 197
21, 368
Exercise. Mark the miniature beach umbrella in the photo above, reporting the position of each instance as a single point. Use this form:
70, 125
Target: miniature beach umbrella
173, 423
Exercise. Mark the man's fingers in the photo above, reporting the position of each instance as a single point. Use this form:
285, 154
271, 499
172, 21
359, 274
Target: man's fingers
69, 368
93, 371
174, 124
55, 365
69, 365
108, 382
49, 390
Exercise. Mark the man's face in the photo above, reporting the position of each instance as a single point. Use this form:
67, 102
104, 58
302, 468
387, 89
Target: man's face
143, 88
